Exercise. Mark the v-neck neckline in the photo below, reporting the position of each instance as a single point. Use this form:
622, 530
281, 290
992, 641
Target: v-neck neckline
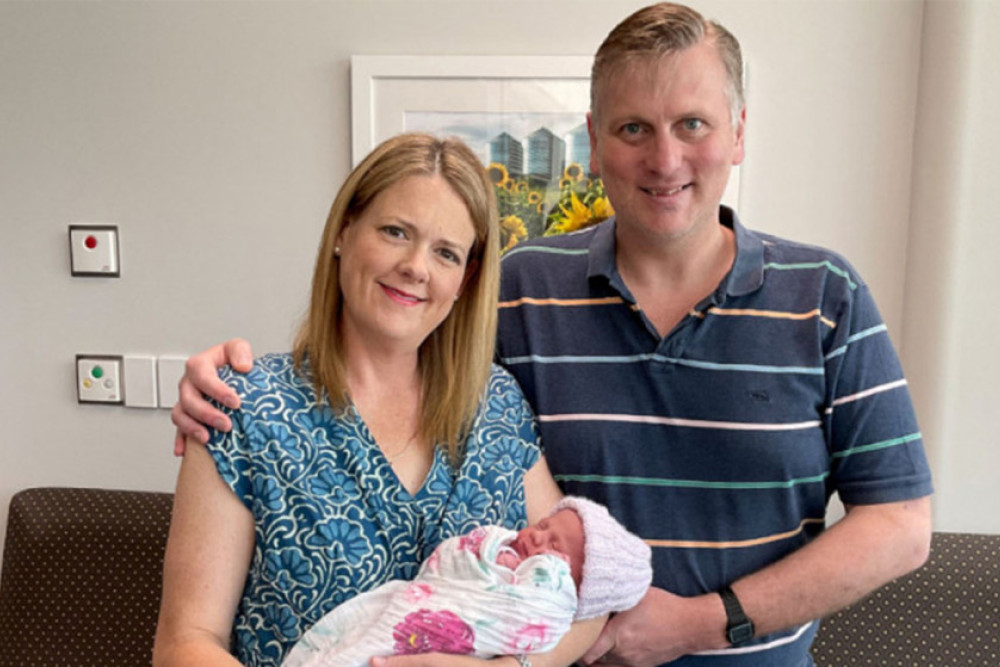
380, 460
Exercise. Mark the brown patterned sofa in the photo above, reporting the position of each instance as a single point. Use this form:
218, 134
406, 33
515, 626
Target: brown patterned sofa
80, 584
80, 587
946, 613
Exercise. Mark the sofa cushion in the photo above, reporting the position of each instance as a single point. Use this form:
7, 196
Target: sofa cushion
945, 613
81, 577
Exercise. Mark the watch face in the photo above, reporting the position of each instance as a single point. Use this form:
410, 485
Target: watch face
740, 633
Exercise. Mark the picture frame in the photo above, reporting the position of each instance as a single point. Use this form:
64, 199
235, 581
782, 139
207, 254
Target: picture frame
525, 116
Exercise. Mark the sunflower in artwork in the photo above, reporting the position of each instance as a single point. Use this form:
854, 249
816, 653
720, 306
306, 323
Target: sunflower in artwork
497, 173
569, 218
578, 213
574, 172
601, 208
512, 232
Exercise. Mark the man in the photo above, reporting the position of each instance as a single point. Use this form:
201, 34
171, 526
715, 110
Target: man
711, 385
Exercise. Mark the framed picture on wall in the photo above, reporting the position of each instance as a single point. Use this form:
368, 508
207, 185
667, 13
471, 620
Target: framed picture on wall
525, 116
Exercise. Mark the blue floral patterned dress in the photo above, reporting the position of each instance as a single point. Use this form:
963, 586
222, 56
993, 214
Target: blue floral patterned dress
332, 520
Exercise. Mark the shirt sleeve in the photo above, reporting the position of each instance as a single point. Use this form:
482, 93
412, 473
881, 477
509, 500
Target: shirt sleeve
875, 445
233, 451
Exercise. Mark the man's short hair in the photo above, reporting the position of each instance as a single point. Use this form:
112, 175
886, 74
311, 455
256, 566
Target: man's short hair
659, 30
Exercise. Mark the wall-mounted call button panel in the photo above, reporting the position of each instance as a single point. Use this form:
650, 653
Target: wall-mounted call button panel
93, 250
98, 378
130, 380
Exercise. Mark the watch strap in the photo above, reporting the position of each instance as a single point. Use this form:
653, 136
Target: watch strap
739, 627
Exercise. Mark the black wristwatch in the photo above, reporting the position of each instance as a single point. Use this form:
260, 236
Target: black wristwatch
739, 627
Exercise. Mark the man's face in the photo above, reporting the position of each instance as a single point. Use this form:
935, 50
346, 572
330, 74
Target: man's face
663, 141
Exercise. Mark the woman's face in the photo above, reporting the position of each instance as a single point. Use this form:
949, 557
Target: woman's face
403, 262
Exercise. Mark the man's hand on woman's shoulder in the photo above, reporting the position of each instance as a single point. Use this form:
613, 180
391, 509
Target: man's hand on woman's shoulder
193, 413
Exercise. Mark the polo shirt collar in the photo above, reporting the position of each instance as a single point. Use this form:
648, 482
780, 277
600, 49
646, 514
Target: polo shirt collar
601, 255
746, 276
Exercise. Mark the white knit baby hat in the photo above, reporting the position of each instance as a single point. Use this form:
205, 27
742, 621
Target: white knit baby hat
616, 564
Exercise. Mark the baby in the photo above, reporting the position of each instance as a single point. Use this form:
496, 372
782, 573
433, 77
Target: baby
491, 592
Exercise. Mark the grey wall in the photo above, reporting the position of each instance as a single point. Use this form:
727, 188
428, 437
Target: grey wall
215, 136
949, 329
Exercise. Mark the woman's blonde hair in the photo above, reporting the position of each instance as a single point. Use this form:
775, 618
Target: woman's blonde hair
454, 360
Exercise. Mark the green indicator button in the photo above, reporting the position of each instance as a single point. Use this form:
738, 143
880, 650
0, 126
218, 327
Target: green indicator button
97, 372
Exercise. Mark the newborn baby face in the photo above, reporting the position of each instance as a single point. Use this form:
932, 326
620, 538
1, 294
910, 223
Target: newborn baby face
561, 533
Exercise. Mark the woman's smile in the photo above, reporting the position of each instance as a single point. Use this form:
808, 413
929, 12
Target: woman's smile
400, 296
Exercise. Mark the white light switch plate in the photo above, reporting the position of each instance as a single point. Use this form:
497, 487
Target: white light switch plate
140, 381
169, 371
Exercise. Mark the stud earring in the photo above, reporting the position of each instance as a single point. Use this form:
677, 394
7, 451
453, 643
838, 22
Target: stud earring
336, 251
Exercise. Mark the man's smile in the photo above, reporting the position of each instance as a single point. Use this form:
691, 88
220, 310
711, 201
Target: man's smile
656, 192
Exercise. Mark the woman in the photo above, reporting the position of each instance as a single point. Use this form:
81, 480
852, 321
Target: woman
386, 431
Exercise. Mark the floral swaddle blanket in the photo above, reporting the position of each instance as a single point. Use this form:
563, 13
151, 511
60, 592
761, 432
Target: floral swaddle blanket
463, 600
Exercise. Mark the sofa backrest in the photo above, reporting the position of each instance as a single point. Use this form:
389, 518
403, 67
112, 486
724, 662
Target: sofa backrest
82, 569
81, 577
945, 613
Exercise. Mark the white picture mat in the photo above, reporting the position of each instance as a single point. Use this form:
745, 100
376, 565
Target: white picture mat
393, 94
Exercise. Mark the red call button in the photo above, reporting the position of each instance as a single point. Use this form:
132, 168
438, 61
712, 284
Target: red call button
90, 242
